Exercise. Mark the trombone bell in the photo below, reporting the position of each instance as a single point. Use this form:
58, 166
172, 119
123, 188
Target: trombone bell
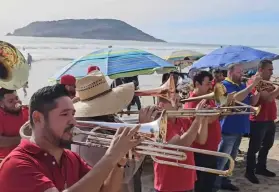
166, 91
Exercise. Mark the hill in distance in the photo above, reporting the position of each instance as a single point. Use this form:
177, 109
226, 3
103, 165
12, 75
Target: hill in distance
103, 29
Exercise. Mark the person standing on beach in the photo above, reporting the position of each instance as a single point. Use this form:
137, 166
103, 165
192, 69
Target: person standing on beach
205, 181
136, 99
262, 126
235, 126
29, 59
12, 117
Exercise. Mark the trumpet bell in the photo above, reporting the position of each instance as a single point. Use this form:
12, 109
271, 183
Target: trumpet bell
14, 70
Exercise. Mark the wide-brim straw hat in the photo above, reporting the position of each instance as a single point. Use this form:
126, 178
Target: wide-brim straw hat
96, 98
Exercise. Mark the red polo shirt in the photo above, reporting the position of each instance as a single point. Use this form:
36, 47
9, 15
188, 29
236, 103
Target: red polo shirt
9, 127
268, 110
214, 128
28, 168
169, 178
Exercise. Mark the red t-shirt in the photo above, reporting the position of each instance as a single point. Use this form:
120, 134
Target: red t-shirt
268, 110
28, 168
214, 128
169, 178
9, 127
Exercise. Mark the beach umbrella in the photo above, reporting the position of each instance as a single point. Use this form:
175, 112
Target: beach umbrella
223, 57
116, 63
184, 58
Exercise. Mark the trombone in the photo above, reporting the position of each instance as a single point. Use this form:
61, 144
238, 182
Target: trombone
191, 112
154, 145
166, 91
219, 94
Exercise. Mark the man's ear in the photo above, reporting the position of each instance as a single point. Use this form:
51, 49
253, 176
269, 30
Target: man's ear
37, 117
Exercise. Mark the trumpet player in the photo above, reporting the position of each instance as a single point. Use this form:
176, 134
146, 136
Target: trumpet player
12, 117
180, 131
205, 181
41, 163
234, 127
262, 130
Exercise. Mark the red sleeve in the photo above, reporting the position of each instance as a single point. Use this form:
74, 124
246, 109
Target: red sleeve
21, 175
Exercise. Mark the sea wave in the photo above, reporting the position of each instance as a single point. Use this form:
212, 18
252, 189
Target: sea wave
53, 59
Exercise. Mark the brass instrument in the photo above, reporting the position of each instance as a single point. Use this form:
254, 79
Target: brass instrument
265, 85
14, 70
192, 112
154, 145
166, 91
220, 96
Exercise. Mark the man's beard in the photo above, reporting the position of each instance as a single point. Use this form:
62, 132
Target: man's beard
12, 111
57, 141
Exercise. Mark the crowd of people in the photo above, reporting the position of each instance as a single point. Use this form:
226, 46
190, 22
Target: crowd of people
49, 163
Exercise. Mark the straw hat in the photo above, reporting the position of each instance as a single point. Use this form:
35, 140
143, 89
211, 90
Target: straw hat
97, 98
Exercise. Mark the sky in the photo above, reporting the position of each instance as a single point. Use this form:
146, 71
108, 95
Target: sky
246, 22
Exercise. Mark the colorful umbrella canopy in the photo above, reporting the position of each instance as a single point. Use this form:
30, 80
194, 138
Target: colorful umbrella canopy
117, 62
182, 54
223, 57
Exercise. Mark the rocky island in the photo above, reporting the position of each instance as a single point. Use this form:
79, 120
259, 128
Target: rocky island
103, 29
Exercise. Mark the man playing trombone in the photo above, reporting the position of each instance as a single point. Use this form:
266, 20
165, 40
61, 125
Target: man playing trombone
41, 163
262, 126
180, 131
205, 181
234, 127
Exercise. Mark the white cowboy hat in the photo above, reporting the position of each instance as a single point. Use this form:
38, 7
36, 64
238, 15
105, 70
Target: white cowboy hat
96, 98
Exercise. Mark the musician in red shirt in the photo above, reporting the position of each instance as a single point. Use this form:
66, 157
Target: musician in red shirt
205, 181
262, 129
180, 131
12, 117
42, 165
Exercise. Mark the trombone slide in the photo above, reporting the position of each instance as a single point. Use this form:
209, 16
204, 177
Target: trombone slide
172, 154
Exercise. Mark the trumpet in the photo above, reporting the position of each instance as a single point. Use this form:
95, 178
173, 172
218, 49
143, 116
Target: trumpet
166, 91
220, 96
153, 145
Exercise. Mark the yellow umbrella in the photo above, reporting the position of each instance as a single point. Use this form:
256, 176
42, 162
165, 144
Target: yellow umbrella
184, 58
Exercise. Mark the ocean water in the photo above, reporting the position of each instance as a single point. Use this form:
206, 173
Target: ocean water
51, 54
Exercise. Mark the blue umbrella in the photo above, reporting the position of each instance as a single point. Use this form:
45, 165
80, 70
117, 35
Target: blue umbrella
115, 63
225, 56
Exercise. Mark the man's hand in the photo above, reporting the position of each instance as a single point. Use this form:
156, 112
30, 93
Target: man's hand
124, 140
256, 79
149, 114
230, 99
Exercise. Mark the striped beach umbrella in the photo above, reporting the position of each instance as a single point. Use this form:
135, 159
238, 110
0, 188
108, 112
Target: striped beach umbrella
116, 63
